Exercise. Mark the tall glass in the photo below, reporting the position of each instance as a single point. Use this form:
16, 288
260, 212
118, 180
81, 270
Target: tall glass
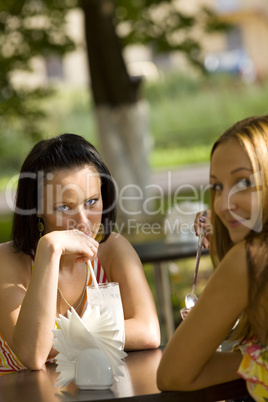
107, 296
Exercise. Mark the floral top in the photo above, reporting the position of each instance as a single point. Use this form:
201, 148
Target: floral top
9, 362
254, 368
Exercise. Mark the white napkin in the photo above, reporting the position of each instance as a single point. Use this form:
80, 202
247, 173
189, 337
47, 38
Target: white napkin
92, 330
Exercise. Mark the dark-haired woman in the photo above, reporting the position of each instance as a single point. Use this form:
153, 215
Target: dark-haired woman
64, 216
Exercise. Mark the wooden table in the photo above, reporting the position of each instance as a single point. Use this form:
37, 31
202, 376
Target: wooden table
138, 384
159, 253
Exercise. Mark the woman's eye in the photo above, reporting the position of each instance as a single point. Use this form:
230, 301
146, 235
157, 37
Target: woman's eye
216, 187
62, 208
243, 184
91, 202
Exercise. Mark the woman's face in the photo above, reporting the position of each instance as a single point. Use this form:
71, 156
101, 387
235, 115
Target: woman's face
72, 200
235, 196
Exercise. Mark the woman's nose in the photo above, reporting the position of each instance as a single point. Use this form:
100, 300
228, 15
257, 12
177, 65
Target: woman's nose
82, 217
227, 200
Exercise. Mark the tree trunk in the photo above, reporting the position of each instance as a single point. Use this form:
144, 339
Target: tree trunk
121, 115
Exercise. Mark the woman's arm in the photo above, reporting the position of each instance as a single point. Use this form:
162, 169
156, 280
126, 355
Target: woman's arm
122, 265
28, 299
189, 360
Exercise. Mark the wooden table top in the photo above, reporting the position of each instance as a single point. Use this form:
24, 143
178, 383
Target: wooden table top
138, 383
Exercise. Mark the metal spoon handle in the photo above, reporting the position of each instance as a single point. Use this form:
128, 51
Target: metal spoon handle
199, 251
198, 255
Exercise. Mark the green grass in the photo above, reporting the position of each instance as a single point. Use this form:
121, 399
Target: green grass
177, 156
3, 182
186, 115
185, 120
5, 228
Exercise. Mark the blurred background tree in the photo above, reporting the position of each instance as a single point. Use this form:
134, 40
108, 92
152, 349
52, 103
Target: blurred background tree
27, 29
122, 113
32, 28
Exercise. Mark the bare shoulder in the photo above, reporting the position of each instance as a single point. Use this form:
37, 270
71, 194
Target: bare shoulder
238, 250
14, 266
8, 252
233, 268
236, 256
116, 243
117, 251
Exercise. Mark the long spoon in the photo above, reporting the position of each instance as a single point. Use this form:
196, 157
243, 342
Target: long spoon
191, 298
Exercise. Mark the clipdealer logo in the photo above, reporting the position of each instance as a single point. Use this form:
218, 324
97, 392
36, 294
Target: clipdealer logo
255, 220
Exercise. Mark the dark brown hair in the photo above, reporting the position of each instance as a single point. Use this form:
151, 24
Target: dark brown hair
65, 151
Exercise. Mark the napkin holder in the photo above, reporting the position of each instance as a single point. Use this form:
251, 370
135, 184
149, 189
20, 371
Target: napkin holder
88, 353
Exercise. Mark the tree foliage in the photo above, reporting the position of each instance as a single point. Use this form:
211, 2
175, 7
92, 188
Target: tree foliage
28, 29
33, 28
165, 27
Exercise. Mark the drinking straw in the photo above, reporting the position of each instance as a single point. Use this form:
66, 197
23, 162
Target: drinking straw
93, 276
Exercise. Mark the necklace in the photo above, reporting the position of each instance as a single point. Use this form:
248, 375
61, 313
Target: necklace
68, 304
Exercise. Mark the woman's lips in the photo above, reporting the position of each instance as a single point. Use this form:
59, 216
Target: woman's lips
235, 223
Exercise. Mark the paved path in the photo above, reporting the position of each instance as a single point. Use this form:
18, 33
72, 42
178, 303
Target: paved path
173, 179
169, 180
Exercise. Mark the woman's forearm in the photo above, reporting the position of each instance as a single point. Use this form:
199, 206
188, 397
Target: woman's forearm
221, 367
33, 335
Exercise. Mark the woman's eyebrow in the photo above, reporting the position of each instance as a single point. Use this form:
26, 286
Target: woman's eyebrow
93, 196
241, 168
212, 176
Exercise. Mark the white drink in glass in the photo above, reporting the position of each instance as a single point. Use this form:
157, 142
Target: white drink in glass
107, 296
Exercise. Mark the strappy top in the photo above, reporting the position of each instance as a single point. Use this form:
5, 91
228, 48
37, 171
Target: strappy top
9, 362
254, 368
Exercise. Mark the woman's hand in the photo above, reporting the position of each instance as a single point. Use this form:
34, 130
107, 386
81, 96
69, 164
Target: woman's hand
68, 242
202, 220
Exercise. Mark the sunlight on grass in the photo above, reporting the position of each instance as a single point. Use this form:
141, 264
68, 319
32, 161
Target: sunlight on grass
186, 115
3, 182
179, 156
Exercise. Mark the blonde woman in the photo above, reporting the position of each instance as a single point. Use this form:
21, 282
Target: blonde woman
239, 286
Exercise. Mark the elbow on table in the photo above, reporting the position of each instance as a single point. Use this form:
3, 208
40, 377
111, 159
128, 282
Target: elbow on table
165, 383
35, 365
162, 380
152, 341
144, 342
145, 338
170, 381
152, 338
31, 355
33, 362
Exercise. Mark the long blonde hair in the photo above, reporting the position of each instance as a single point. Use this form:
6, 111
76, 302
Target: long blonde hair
252, 135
